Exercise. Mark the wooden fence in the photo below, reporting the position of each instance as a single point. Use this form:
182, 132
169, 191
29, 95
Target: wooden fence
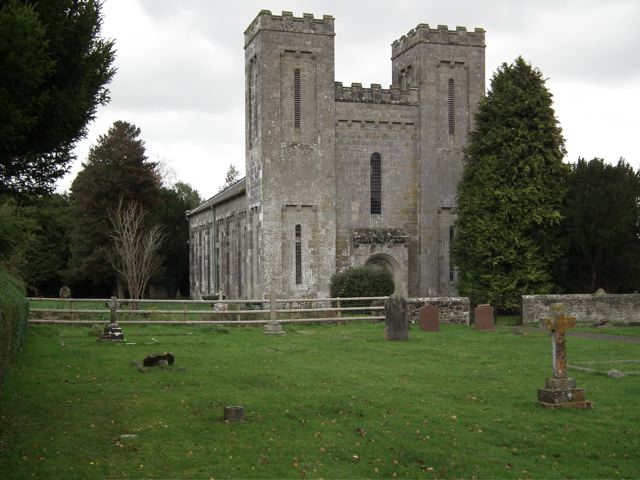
205, 312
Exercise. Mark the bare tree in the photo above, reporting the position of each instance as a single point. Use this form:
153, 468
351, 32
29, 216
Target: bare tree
135, 247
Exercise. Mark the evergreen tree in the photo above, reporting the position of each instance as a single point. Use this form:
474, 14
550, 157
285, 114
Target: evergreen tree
54, 68
601, 229
46, 255
174, 202
509, 199
116, 169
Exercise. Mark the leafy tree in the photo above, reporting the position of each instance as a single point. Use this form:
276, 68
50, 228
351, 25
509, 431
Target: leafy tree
509, 199
46, 255
15, 235
54, 68
116, 168
231, 177
601, 229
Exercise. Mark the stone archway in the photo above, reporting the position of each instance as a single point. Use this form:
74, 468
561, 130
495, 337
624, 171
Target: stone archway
391, 265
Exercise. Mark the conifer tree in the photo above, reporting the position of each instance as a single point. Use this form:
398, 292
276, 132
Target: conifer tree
601, 228
116, 170
509, 199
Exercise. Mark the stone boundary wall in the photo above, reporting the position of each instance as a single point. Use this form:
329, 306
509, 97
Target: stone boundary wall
587, 308
452, 309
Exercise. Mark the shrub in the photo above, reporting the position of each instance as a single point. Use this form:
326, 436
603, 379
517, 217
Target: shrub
367, 281
14, 312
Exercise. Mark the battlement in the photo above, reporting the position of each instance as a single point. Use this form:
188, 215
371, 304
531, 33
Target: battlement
376, 94
288, 23
441, 35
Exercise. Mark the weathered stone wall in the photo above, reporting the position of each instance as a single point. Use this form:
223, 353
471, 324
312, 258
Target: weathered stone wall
389, 130
451, 309
586, 308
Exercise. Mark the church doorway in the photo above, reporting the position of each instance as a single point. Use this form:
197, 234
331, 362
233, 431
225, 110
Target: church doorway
391, 265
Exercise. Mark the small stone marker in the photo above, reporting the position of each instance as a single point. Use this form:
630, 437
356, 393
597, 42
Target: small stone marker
273, 327
560, 391
159, 359
395, 313
483, 318
113, 332
233, 413
429, 317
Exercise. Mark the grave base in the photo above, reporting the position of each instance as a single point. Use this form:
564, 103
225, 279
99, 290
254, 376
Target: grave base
562, 393
273, 328
113, 333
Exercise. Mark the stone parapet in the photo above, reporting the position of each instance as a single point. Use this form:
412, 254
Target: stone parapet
288, 23
376, 94
441, 35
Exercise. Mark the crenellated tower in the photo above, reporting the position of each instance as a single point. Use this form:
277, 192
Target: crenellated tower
290, 150
448, 67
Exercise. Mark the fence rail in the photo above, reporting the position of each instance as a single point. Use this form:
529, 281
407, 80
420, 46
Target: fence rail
205, 312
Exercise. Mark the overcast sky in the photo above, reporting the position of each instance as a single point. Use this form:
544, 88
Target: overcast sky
180, 68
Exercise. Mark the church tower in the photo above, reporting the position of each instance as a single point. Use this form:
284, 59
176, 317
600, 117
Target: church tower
448, 68
290, 152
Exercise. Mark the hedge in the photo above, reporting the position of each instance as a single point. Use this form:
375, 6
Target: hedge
14, 313
367, 281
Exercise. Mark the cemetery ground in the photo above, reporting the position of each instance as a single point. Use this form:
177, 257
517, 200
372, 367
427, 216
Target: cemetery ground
322, 401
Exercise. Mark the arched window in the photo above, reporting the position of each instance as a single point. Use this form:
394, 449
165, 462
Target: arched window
451, 105
296, 98
376, 184
298, 255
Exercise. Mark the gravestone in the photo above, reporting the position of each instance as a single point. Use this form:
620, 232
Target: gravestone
560, 390
483, 318
429, 316
113, 332
395, 313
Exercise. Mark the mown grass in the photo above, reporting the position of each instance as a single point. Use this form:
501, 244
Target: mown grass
321, 402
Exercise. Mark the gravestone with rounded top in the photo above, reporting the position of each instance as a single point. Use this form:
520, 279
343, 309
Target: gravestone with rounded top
429, 317
395, 313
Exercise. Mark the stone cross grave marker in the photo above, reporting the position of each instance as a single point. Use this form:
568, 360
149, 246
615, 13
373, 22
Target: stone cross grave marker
560, 391
272, 327
113, 330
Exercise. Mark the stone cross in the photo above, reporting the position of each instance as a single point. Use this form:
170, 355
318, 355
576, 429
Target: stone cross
112, 303
558, 326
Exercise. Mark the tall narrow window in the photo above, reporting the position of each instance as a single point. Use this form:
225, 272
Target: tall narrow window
239, 259
298, 255
376, 184
296, 98
208, 259
451, 106
451, 265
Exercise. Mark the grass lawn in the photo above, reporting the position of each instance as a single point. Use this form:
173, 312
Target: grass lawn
322, 401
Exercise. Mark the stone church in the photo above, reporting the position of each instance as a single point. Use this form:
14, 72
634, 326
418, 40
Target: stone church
341, 175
